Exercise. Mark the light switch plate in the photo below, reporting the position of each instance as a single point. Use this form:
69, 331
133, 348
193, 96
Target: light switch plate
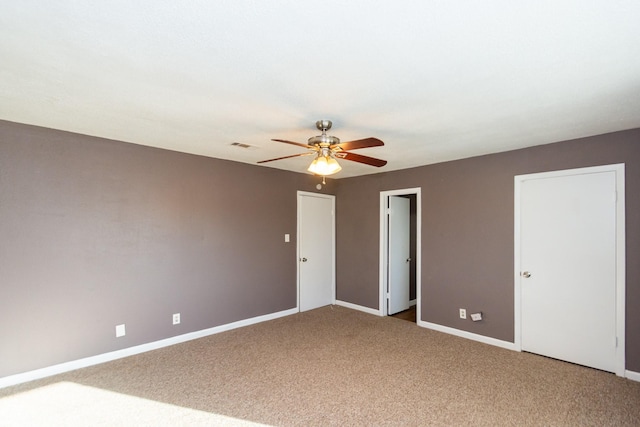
120, 331
287, 238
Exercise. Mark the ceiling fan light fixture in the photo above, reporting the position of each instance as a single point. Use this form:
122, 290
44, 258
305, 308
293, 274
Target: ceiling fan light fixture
324, 165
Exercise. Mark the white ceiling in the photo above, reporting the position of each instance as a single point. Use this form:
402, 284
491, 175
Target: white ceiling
435, 80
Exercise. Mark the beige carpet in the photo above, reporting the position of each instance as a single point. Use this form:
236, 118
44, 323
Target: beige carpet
331, 366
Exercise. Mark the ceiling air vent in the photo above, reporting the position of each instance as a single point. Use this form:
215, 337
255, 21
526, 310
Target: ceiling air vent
241, 145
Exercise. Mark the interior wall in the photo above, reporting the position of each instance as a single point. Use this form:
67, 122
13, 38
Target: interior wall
97, 233
467, 232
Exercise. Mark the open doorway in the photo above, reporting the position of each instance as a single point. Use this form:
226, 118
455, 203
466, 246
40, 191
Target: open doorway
400, 253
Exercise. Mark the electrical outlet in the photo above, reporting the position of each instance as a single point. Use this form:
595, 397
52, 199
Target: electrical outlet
176, 318
463, 313
120, 331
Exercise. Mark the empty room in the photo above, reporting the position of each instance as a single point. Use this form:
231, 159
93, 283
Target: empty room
320, 213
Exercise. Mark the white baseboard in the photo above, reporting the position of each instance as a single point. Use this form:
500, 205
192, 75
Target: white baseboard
119, 354
633, 376
358, 307
468, 335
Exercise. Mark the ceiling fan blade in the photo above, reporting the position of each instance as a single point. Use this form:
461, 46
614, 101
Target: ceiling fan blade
287, 157
362, 159
359, 143
299, 144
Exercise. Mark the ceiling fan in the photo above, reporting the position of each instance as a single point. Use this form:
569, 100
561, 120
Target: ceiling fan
327, 148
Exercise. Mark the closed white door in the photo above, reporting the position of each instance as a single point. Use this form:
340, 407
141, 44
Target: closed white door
399, 253
568, 268
316, 250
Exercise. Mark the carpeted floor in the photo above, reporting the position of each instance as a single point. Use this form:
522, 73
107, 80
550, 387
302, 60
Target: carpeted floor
330, 366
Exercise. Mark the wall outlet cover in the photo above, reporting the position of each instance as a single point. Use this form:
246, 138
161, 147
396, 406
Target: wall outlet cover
463, 313
176, 318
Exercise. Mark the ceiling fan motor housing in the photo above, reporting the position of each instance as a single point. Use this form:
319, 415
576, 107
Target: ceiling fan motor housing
323, 140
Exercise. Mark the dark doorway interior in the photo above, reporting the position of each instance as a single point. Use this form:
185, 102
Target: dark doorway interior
409, 315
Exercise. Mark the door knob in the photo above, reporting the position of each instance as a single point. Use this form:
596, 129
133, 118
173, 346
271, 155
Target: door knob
408, 259
303, 259
525, 274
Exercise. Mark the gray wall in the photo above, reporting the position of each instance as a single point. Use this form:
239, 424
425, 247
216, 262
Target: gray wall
467, 232
94, 233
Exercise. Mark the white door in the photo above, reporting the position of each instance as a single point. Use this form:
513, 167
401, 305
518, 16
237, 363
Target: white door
316, 250
399, 253
568, 268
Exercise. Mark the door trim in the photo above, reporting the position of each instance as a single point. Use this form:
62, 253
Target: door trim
333, 243
384, 228
619, 170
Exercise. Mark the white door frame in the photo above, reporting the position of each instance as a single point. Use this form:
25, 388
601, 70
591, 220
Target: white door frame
333, 243
384, 229
618, 169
